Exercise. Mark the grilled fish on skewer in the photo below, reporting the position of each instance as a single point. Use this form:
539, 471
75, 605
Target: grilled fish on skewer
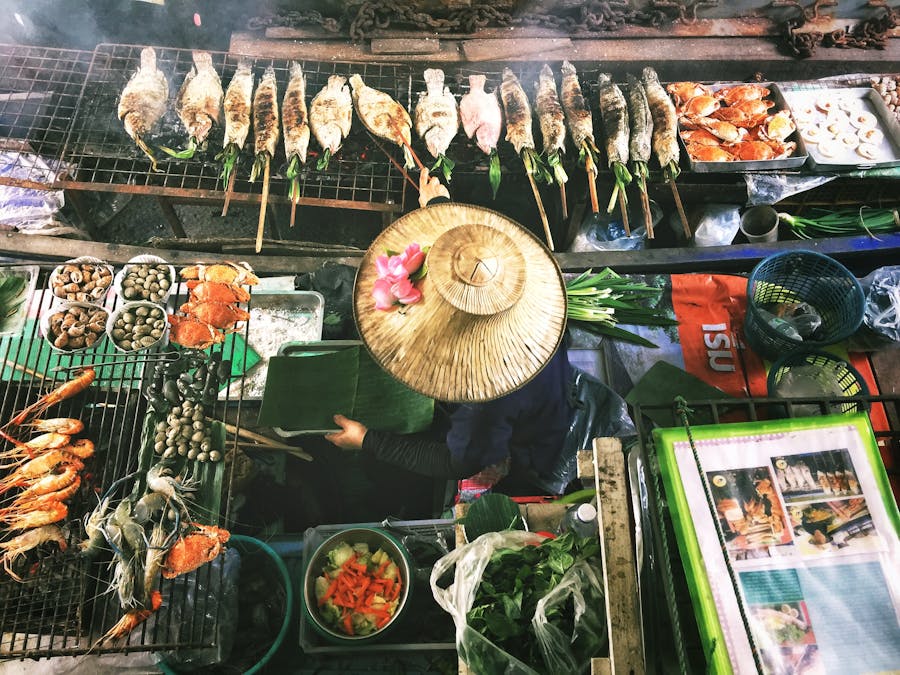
238, 102
143, 101
581, 126
330, 117
614, 113
665, 122
640, 143
437, 119
383, 116
518, 125
199, 103
552, 122
265, 121
296, 128
482, 118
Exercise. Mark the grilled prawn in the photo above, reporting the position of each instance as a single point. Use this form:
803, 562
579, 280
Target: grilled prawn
552, 122
330, 117
614, 113
199, 103
143, 101
238, 101
437, 119
482, 118
296, 127
383, 116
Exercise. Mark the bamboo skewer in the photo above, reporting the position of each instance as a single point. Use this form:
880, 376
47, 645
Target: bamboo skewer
592, 182
645, 207
541, 211
263, 442
412, 152
562, 199
263, 203
228, 191
293, 209
393, 161
623, 207
680, 207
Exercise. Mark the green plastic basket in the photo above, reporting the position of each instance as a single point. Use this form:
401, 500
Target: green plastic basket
843, 375
795, 277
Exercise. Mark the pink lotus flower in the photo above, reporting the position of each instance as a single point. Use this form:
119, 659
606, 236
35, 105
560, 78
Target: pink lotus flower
391, 268
413, 257
381, 291
405, 292
394, 285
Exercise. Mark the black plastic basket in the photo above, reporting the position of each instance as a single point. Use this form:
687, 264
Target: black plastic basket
846, 376
802, 277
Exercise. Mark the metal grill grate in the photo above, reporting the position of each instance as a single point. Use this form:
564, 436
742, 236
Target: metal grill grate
39, 89
65, 603
671, 631
359, 176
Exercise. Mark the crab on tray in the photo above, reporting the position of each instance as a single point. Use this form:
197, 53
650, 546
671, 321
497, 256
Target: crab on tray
736, 127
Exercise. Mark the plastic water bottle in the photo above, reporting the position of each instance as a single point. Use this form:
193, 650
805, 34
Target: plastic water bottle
580, 519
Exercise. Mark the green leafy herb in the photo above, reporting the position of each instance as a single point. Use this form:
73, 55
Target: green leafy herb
187, 153
494, 172
446, 165
322, 164
492, 513
843, 222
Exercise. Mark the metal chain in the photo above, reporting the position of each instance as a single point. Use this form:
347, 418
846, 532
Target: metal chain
869, 34
294, 18
682, 410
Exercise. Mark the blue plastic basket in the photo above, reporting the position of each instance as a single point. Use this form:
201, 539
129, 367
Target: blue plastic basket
802, 276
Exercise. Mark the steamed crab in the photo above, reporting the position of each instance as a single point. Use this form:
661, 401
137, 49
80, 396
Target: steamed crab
195, 549
216, 314
226, 273
189, 332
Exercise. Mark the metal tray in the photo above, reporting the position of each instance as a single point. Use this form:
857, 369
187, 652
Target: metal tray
888, 151
795, 161
276, 318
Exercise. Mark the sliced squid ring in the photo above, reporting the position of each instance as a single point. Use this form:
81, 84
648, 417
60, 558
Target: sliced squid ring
830, 147
826, 104
873, 136
864, 120
849, 140
850, 105
867, 150
811, 134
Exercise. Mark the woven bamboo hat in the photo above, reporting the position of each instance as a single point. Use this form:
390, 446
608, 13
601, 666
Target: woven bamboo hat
493, 307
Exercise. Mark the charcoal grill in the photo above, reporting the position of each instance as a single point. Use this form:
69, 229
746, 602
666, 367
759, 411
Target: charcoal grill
63, 606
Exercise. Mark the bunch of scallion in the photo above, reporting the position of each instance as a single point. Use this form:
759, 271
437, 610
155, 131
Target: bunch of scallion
843, 222
598, 302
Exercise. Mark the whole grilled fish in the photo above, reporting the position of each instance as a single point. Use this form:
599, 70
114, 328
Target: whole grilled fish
265, 114
639, 146
436, 114
294, 115
518, 112
238, 102
550, 114
665, 120
143, 100
481, 115
614, 114
383, 116
578, 113
199, 101
330, 116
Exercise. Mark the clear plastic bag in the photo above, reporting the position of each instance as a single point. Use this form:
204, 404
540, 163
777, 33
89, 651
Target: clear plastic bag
881, 322
771, 188
580, 583
718, 225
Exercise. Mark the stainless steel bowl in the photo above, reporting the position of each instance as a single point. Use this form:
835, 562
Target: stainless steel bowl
375, 538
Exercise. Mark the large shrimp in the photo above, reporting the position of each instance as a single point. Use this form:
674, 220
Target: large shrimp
21, 452
157, 548
52, 482
17, 547
24, 504
45, 515
61, 425
161, 480
132, 620
38, 468
93, 527
82, 448
65, 391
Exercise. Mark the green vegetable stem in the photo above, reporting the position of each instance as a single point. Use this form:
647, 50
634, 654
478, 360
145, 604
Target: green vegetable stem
843, 222
494, 172
623, 178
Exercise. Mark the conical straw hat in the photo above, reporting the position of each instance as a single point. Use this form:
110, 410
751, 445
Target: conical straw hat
493, 307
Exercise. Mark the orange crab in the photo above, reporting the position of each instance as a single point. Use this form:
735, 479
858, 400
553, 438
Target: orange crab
752, 150
708, 153
684, 91
226, 273
777, 127
721, 129
195, 549
189, 332
216, 314
700, 137
217, 291
699, 106
742, 92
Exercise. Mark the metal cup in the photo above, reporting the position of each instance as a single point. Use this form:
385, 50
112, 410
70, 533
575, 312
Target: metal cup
760, 223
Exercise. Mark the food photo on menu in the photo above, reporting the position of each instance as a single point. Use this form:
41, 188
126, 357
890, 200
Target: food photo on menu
834, 526
786, 638
749, 511
816, 475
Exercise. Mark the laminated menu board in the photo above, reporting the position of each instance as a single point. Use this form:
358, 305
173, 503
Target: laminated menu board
789, 535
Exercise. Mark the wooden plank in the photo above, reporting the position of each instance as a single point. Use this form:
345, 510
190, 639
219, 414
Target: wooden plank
601, 666
586, 467
249, 44
499, 50
626, 653
405, 46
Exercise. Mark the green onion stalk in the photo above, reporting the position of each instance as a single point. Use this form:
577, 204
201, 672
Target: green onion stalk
324, 158
534, 165
554, 161
623, 178
588, 148
599, 302
259, 164
494, 172
843, 222
147, 151
293, 175
191, 149
641, 172
671, 171
228, 157
445, 164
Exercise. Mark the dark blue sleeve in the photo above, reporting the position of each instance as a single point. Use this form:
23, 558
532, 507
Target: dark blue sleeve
479, 434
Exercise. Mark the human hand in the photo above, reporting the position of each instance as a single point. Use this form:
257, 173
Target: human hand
430, 187
351, 435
